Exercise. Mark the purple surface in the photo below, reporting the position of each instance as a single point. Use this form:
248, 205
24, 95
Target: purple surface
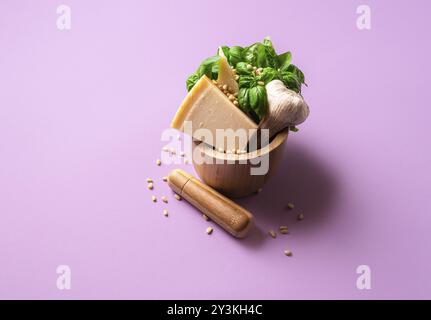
81, 113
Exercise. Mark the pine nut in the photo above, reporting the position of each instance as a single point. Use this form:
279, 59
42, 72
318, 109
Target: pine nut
284, 230
288, 253
177, 197
290, 206
165, 212
209, 230
165, 179
149, 180
158, 162
205, 217
164, 199
154, 198
272, 233
300, 216
150, 186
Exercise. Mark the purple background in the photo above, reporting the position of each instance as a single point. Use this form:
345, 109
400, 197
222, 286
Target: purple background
81, 113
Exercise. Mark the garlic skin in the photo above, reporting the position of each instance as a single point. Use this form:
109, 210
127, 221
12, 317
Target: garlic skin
285, 108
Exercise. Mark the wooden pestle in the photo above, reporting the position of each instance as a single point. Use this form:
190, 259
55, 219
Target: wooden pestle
223, 211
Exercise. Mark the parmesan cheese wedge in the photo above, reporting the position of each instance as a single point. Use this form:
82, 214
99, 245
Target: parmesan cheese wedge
206, 107
226, 75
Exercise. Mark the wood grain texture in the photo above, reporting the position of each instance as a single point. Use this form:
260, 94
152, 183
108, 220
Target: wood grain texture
223, 211
230, 173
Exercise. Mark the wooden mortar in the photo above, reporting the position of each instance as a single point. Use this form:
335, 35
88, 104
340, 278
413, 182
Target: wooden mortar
234, 179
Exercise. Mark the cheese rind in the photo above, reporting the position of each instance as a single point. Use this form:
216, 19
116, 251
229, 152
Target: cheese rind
206, 107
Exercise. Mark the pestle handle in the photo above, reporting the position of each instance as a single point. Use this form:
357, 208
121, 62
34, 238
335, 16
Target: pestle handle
223, 211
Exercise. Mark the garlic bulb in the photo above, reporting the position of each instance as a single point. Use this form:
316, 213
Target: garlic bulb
285, 108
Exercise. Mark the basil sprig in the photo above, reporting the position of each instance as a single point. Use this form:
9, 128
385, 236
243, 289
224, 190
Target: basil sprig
208, 67
256, 65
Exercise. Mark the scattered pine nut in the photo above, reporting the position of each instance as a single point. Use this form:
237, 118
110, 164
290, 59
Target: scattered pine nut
177, 197
165, 212
300, 216
284, 230
272, 233
209, 230
165, 149
224, 87
165, 179
164, 199
205, 217
172, 151
182, 153
290, 206
158, 162
288, 253
149, 180
154, 198
150, 186
235, 102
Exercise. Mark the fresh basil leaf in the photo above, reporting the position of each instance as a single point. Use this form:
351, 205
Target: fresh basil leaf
291, 81
241, 69
235, 55
214, 70
243, 99
258, 101
267, 75
261, 55
208, 67
268, 43
284, 60
298, 73
247, 81
271, 55
262, 59
226, 51
191, 81
250, 53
